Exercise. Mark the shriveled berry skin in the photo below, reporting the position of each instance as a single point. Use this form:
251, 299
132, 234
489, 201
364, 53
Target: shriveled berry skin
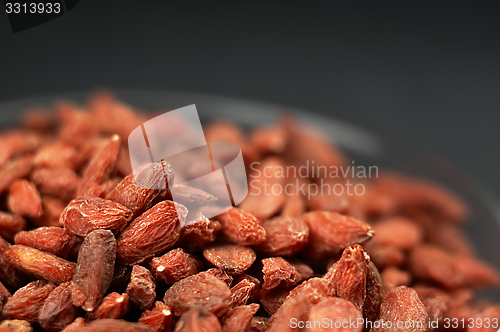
10, 225
402, 304
151, 233
241, 292
159, 318
103, 162
201, 290
314, 289
331, 232
138, 191
24, 199
294, 307
278, 272
335, 310
27, 301
196, 320
55, 240
86, 214
197, 234
113, 306
95, 269
285, 236
374, 293
58, 311
232, 258
174, 266
349, 275
141, 288
239, 318
59, 182
242, 227
40, 264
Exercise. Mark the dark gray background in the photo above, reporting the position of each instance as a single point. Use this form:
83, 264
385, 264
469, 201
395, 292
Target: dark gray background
427, 73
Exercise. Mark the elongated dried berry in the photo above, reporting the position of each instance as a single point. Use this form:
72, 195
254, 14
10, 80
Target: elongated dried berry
349, 275
198, 233
141, 289
285, 236
57, 182
295, 307
140, 196
174, 266
428, 262
374, 293
239, 318
113, 306
58, 311
15, 169
331, 232
402, 306
399, 232
27, 302
159, 318
242, 227
151, 233
219, 274
200, 290
335, 314
55, 240
314, 289
103, 162
242, 291
84, 215
95, 268
40, 264
24, 199
232, 258
10, 225
264, 200
278, 272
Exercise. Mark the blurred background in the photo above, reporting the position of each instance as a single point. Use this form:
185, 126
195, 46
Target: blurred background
426, 72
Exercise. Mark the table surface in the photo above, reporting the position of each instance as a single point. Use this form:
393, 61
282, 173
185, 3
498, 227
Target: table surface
427, 73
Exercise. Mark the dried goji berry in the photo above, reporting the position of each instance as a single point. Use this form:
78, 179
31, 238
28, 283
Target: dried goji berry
94, 271
174, 266
141, 289
86, 214
232, 258
151, 233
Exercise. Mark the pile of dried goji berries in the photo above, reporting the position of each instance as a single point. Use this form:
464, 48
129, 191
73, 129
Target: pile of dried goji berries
84, 248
